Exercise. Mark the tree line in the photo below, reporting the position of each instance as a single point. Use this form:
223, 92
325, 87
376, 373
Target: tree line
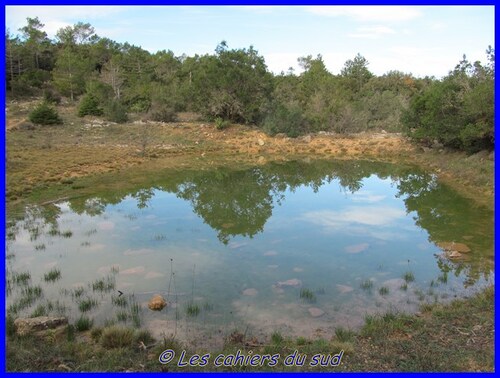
110, 79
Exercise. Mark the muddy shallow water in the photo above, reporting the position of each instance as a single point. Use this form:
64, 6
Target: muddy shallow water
299, 247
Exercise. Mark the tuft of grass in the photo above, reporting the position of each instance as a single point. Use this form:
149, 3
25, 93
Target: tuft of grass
122, 316
119, 301
307, 295
344, 335
83, 324
404, 286
40, 310
52, 275
367, 284
87, 304
96, 333
21, 278
144, 336
409, 277
135, 313
40, 247
116, 337
277, 338
104, 284
192, 309
78, 292
383, 290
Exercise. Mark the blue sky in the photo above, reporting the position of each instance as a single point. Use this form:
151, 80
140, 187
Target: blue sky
423, 40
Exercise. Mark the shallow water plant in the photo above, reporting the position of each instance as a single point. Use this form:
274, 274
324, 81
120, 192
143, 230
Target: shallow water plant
409, 277
52, 275
307, 295
367, 284
192, 309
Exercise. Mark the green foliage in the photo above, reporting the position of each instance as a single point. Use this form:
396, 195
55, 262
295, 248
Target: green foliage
115, 112
221, 124
43, 114
163, 113
457, 111
289, 121
89, 105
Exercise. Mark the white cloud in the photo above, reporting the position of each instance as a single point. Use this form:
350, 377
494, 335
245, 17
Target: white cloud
366, 215
367, 197
368, 13
373, 32
55, 17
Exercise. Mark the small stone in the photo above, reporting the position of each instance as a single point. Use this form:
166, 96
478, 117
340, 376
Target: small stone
294, 282
315, 312
261, 142
157, 303
251, 292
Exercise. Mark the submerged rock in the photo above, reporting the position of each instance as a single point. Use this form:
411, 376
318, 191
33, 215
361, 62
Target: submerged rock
452, 246
294, 282
157, 303
315, 312
344, 288
251, 292
25, 326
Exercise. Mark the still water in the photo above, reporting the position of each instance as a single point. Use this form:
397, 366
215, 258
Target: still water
297, 247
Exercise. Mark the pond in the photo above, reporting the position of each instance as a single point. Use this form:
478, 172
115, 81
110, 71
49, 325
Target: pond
299, 247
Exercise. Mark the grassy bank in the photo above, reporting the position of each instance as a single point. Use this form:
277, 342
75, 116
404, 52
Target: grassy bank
453, 337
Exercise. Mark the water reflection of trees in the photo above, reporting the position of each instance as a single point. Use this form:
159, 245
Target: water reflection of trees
240, 201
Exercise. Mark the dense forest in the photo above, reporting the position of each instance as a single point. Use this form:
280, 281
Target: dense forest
104, 78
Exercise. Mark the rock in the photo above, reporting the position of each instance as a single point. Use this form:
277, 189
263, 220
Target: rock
251, 292
436, 144
260, 142
315, 312
306, 138
25, 326
294, 282
157, 303
452, 246
280, 136
344, 288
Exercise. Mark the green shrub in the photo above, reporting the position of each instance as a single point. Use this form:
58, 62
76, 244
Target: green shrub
289, 121
43, 114
163, 113
221, 124
89, 105
115, 112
